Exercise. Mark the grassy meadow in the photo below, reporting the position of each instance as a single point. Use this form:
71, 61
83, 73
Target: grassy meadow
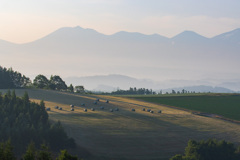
227, 105
125, 134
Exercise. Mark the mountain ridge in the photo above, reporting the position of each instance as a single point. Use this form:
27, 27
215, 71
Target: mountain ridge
78, 28
75, 51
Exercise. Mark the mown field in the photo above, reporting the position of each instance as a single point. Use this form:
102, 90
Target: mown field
126, 134
227, 105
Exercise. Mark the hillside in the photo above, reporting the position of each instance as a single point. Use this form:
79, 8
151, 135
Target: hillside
125, 134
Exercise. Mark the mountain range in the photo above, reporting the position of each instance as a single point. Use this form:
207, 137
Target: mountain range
79, 52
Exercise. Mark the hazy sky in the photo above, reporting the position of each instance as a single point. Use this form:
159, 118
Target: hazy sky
27, 20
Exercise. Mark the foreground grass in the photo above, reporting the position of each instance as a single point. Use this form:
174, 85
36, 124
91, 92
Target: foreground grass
226, 105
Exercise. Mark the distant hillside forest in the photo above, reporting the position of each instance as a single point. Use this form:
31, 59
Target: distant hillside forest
133, 91
23, 121
10, 79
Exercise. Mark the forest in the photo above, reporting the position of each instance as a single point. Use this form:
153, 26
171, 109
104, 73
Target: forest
10, 79
23, 121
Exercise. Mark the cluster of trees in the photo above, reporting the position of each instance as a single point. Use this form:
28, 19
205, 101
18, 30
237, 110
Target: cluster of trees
55, 82
23, 121
31, 153
179, 92
12, 79
209, 150
134, 91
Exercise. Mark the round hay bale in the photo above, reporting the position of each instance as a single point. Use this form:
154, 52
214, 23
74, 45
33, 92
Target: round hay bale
72, 109
92, 109
151, 111
48, 109
111, 110
116, 109
72, 106
85, 110
133, 109
82, 104
60, 108
148, 110
95, 102
97, 99
107, 101
101, 107
159, 111
56, 107
143, 109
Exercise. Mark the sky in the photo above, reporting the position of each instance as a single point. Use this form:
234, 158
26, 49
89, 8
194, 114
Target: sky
24, 21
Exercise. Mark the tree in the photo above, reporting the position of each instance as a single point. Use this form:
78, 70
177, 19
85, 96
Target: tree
44, 153
66, 156
30, 153
7, 151
56, 83
71, 89
173, 91
26, 97
41, 81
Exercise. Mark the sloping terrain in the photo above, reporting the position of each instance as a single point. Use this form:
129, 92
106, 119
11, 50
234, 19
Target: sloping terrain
126, 134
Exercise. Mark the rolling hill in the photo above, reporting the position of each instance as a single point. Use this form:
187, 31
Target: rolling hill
125, 134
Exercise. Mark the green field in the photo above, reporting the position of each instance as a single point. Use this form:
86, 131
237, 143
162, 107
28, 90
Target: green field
127, 135
224, 105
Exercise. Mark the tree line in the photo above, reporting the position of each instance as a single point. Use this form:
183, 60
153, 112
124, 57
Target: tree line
134, 91
23, 121
10, 79
31, 153
209, 150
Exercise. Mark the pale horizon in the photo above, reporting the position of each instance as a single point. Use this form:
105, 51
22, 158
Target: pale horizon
28, 20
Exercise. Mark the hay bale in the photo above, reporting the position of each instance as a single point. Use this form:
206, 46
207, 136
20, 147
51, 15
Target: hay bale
116, 109
85, 110
159, 111
56, 107
101, 107
82, 104
97, 99
48, 109
60, 108
72, 106
143, 109
133, 109
95, 102
148, 110
107, 101
72, 109
111, 110
151, 111
92, 109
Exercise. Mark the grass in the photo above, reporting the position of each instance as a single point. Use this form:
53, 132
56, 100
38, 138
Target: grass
226, 105
131, 135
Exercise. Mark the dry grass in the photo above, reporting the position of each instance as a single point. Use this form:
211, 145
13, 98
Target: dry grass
131, 135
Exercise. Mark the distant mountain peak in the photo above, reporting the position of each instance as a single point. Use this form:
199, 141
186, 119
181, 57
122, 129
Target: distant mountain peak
233, 35
188, 34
